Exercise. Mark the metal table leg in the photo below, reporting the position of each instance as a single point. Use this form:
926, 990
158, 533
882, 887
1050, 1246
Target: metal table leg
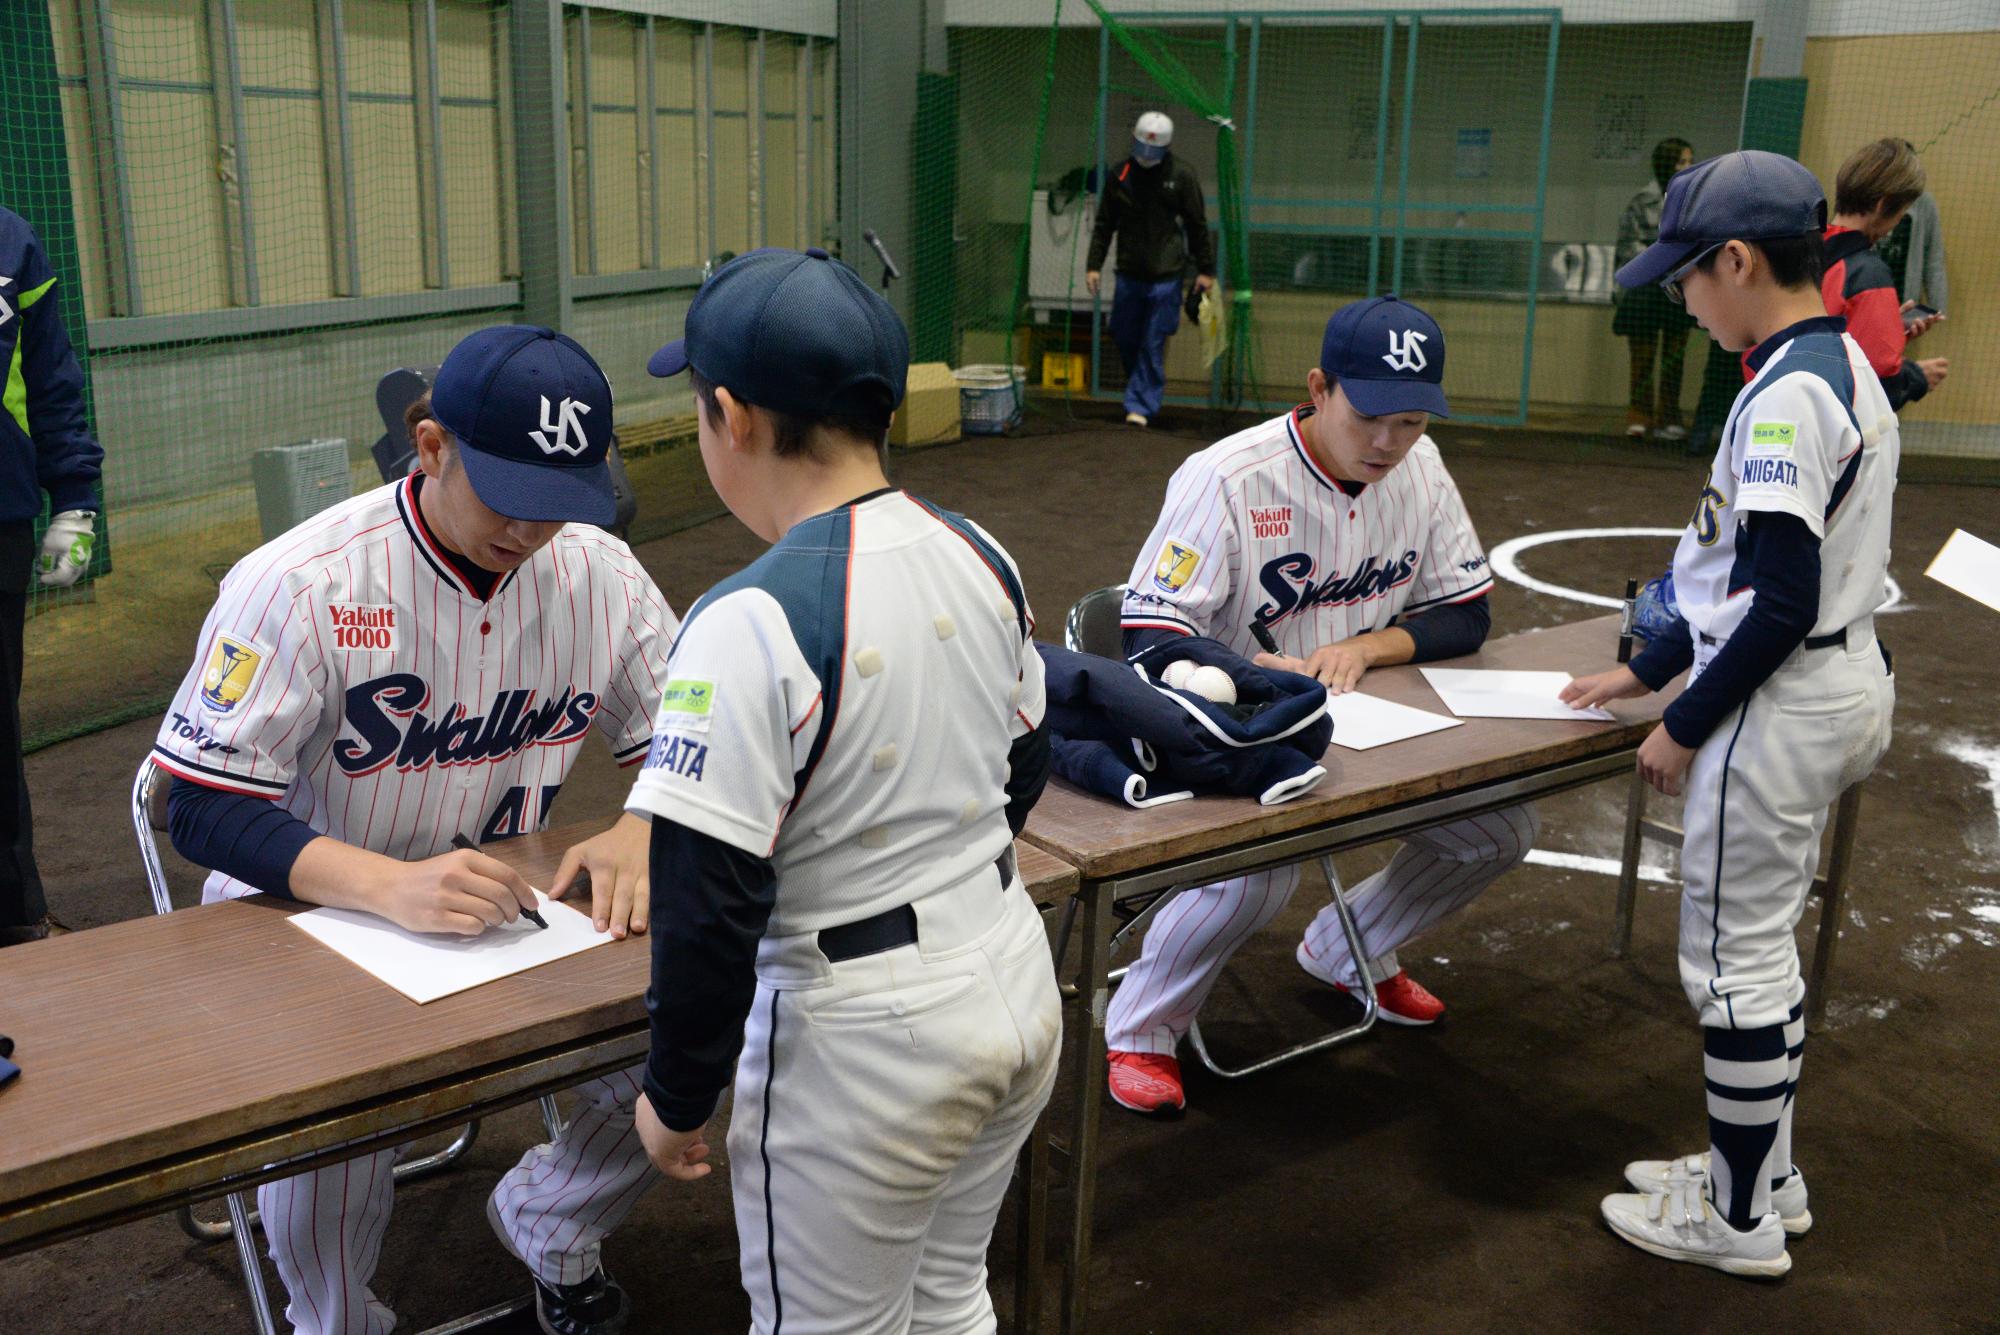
1033, 1249
1089, 1067
1832, 903
1628, 867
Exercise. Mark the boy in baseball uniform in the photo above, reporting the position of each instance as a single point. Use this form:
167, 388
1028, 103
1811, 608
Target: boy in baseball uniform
420, 662
1789, 698
849, 740
1336, 530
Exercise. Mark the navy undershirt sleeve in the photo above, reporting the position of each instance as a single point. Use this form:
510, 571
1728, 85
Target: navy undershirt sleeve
1665, 657
250, 838
711, 902
1137, 640
1449, 631
1784, 573
1028, 761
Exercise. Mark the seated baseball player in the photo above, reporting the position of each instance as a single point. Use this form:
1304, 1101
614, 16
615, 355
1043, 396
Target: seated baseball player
420, 662
1337, 530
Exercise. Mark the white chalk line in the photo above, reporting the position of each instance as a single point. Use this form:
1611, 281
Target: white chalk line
1507, 565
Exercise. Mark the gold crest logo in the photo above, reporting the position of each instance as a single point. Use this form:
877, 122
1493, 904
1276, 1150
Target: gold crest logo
1176, 568
232, 668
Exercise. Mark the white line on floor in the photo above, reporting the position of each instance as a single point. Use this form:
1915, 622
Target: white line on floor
1600, 866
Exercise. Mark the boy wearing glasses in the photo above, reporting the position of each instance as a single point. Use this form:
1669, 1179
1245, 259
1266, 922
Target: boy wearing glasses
1778, 576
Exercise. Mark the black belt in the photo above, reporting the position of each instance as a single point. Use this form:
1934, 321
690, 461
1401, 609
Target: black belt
1827, 641
890, 928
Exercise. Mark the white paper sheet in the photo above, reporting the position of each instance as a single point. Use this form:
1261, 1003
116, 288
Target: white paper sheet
424, 967
1971, 566
1492, 693
1362, 722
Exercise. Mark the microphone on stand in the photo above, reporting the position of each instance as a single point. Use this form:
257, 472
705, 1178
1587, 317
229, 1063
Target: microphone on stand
889, 269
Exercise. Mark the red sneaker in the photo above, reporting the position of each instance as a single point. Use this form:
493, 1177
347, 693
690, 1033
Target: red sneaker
1146, 1082
1404, 1000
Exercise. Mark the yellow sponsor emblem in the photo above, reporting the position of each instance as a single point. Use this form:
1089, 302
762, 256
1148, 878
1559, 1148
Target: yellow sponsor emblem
232, 667
1176, 568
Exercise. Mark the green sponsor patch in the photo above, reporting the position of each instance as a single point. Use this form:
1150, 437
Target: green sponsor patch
1780, 434
686, 696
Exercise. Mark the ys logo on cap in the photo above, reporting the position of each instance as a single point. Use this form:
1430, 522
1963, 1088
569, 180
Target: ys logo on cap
1406, 352
569, 416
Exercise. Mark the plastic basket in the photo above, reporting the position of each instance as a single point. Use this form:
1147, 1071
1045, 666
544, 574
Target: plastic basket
989, 398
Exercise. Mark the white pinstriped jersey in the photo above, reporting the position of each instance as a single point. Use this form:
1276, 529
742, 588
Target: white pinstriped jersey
348, 672
1254, 529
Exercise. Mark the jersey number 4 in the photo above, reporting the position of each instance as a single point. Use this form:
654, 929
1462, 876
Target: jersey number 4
513, 816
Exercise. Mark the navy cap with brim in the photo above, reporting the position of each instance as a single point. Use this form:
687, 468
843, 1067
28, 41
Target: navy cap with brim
670, 360
1381, 398
1656, 261
537, 494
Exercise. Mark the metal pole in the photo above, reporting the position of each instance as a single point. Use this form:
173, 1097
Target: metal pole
1403, 157
1541, 204
708, 133
1229, 278
1381, 154
802, 146
114, 184
649, 140
583, 131
337, 132
232, 143
542, 198
809, 137
430, 141
1103, 179
758, 184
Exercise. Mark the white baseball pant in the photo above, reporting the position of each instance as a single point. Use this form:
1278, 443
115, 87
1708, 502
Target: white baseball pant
1757, 799
325, 1227
1434, 872
880, 1104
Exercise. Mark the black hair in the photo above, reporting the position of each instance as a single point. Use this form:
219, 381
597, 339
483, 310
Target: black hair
1667, 159
1796, 261
792, 432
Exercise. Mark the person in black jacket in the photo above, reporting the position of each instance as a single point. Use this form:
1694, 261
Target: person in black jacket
1153, 205
45, 446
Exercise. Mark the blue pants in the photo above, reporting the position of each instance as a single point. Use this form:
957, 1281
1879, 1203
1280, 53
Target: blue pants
1143, 315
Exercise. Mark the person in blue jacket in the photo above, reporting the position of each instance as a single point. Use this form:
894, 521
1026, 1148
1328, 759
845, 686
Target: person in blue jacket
45, 446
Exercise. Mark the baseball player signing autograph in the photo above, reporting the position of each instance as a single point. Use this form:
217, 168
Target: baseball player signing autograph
1336, 530
418, 663
1778, 576
849, 739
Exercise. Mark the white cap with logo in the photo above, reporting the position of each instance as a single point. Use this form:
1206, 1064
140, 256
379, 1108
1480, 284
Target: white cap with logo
1151, 135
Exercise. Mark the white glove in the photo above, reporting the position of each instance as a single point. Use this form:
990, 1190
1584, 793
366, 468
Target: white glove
66, 548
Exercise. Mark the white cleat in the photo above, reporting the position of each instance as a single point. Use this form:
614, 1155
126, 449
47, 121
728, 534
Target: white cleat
1135, 419
1681, 1225
1789, 1200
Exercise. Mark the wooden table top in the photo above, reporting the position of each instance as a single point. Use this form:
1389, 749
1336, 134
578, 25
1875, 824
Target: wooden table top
160, 1036
1105, 838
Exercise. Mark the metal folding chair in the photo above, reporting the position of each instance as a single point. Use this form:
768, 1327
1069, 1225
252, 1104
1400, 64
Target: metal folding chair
1092, 627
149, 821
1838, 839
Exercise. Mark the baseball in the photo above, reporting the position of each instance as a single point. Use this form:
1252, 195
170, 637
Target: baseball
1212, 683
1178, 672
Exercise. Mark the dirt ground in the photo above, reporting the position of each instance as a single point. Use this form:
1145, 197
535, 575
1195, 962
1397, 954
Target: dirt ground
1439, 1180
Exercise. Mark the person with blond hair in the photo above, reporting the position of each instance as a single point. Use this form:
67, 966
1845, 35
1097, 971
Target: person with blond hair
1874, 190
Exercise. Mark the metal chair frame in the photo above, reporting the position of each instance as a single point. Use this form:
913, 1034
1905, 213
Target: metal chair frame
149, 819
1092, 627
1838, 838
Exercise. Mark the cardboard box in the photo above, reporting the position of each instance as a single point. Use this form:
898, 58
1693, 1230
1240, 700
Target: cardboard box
929, 415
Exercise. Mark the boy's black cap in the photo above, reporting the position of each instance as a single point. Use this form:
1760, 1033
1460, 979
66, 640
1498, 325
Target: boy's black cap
794, 331
1750, 195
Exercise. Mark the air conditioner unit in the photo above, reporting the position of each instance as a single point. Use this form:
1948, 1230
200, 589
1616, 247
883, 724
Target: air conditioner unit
296, 482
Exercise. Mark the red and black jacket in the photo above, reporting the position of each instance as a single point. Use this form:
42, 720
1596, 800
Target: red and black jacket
1858, 285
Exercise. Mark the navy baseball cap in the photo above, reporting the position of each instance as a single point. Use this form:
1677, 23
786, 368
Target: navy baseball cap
532, 414
1749, 195
1388, 357
795, 331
